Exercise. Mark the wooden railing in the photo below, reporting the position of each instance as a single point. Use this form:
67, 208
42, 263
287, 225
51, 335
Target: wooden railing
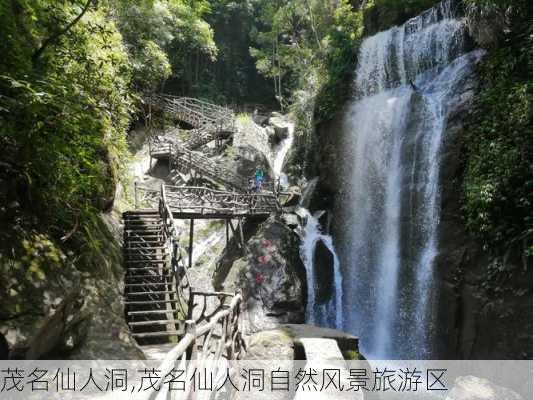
145, 197
217, 338
178, 268
186, 160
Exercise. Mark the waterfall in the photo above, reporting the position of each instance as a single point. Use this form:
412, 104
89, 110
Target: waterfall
328, 313
279, 154
407, 79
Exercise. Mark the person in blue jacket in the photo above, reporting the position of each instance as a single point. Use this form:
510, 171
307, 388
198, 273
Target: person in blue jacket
258, 179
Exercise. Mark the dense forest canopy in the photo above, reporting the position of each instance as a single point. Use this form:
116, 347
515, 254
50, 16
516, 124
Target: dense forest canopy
74, 73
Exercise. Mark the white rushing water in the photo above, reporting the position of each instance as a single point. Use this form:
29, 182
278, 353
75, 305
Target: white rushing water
327, 313
279, 154
406, 80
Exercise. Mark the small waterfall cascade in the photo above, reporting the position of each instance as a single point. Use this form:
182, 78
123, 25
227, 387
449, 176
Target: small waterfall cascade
279, 154
325, 312
407, 80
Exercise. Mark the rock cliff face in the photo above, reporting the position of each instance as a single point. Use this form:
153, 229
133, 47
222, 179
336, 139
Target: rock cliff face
482, 298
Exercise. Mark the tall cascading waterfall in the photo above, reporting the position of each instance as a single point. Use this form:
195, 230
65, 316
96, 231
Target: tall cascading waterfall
407, 79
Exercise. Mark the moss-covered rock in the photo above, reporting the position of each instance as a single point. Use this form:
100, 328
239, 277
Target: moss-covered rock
58, 306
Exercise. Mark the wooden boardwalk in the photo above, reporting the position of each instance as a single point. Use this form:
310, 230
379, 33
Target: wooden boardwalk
190, 202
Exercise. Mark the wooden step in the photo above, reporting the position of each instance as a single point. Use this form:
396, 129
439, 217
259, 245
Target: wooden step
143, 269
157, 334
144, 236
149, 302
143, 252
140, 249
148, 259
131, 217
142, 228
132, 261
134, 213
147, 241
137, 221
147, 248
149, 312
150, 293
156, 322
148, 276
147, 284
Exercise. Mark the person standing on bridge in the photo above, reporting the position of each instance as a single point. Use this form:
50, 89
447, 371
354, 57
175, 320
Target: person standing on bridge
258, 179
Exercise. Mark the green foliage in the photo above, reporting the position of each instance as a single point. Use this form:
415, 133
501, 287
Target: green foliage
164, 38
63, 121
151, 66
499, 178
404, 7
344, 39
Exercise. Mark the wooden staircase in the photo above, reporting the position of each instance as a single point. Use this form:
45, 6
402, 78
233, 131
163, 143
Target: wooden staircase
152, 308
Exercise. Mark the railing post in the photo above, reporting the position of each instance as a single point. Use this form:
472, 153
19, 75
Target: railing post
136, 195
191, 241
190, 329
190, 304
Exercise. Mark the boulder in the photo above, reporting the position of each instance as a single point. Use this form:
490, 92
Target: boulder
324, 267
250, 134
62, 331
274, 344
279, 130
291, 220
264, 346
260, 119
474, 388
269, 272
244, 160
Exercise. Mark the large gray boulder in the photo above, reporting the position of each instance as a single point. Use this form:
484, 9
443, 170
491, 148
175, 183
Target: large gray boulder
244, 160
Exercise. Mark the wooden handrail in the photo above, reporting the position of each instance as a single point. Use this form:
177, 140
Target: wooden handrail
229, 345
172, 233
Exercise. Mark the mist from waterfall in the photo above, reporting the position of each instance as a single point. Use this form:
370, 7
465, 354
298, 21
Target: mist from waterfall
406, 80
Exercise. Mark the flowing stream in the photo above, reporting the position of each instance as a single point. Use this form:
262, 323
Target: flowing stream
407, 80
